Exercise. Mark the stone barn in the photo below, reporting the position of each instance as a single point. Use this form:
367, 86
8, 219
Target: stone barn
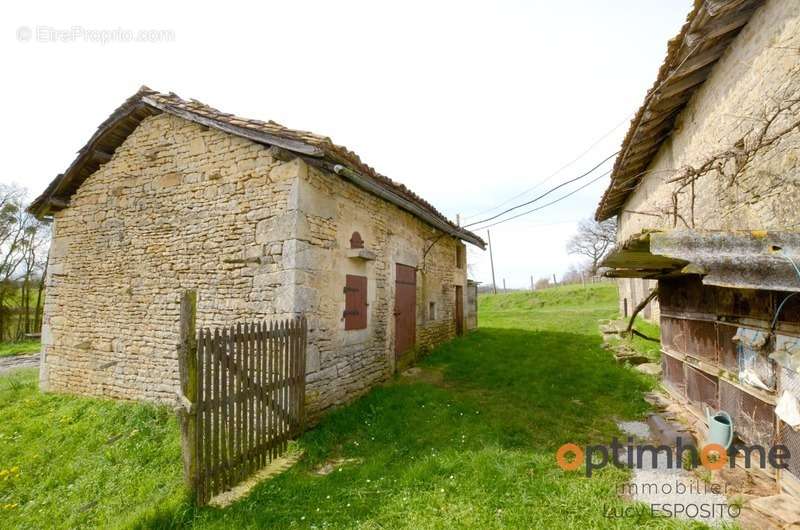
706, 190
263, 222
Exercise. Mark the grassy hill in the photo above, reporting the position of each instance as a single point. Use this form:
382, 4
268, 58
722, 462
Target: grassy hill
579, 297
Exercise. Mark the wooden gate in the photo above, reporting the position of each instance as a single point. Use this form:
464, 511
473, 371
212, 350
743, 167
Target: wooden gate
405, 309
249, 401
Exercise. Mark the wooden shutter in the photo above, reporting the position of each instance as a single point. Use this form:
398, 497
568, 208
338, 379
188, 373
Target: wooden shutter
355, 302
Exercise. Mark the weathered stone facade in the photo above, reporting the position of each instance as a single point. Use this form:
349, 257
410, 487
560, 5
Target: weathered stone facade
181, 206
711, 212
631, 292
759, 72
343, 364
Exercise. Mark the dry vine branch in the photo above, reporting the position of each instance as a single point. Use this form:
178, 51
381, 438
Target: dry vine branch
730, 163
638, 309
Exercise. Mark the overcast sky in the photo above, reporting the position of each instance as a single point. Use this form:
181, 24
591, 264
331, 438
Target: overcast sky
468, 104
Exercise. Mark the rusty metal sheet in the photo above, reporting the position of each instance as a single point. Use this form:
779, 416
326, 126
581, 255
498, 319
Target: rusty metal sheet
701, 389
727, 348
673, 374
672, 295
673, 334
686, 294
701, 339
748, 303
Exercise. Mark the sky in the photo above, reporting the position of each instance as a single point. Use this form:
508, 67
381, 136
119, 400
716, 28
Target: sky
470, 104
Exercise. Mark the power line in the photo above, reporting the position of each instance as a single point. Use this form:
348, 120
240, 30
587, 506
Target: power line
536, 225
545, 194
553, 174
573, 192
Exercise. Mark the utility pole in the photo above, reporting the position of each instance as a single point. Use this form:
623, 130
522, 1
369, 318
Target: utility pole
554, 280
504, 285
531, 282
491, 261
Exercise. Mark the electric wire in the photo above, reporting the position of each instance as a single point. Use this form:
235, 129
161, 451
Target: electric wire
553, 174
545, 194
780, 306
573, 192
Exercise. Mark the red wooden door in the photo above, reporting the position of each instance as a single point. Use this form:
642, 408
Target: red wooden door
405, 309
459, 310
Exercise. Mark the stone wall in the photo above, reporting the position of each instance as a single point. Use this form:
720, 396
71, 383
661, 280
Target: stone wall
176, 208
343, 364
759, 72
181, 206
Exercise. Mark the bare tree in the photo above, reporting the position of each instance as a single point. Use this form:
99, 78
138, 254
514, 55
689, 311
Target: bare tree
593, 240
576, 273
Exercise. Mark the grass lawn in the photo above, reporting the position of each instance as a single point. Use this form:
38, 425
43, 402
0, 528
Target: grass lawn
468, 443
8, 349
647, 347
68, 462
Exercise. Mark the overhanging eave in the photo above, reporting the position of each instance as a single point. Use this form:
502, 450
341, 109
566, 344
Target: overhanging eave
735, 259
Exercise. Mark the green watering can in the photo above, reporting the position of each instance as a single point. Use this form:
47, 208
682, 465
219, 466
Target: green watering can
720, 428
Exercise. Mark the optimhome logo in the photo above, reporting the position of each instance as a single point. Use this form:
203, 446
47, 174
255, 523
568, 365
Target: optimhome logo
570, 456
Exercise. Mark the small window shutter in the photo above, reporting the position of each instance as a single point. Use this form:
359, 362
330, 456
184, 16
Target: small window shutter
355, 302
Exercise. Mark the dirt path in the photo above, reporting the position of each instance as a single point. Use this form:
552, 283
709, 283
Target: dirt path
29, 360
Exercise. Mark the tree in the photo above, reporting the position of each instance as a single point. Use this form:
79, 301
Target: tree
576, 273
593, 240
23, 244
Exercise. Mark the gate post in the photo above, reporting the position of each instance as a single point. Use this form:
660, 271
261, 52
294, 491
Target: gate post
187, 395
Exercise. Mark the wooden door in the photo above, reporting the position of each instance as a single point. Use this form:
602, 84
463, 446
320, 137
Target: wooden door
405, 309
459, 310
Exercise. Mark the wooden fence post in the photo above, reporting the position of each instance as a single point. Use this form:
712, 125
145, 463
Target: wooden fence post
187, 396
303, 354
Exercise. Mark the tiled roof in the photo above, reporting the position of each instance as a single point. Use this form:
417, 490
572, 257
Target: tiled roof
146, 102
710, 27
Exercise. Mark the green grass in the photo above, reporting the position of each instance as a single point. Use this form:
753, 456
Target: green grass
8, 349
468, 444
576, 298
647, 347
73, 462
